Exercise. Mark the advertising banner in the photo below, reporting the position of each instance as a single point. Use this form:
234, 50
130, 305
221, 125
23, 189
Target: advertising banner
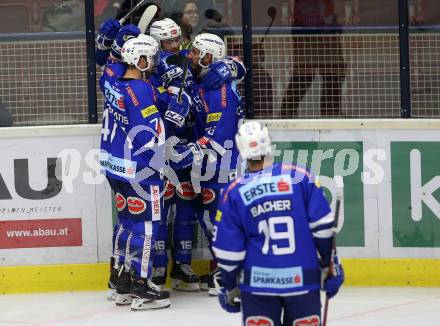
54, 209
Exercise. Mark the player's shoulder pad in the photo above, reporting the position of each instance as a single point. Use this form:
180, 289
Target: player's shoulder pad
298, 171
220, 95
115, 70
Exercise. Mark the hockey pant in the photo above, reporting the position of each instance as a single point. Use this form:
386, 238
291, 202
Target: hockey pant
296, 310
135, 234
183, 226
206, 215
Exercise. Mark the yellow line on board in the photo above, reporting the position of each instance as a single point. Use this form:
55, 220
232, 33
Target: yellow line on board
86, 277
392, 272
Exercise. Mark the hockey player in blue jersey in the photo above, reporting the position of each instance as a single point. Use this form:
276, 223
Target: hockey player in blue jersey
273, 235
110, 40
168, 76
133, 158
218, 114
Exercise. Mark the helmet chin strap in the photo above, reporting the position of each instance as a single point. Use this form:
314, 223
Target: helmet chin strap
143, 69
200, 61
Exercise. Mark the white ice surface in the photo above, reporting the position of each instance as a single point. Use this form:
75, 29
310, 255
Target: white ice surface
353, 306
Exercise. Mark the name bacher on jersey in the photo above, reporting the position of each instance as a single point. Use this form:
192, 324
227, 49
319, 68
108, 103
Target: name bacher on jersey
270, 206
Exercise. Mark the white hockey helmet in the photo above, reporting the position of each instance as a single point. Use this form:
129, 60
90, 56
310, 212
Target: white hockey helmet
253, 141
165, 29
136, 47
209, 43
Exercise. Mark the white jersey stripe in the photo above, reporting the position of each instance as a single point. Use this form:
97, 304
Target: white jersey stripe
146, 250
228, 268
329, 218
327, 233
229, 255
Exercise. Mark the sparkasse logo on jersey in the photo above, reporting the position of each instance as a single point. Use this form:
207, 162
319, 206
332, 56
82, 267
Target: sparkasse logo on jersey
260, 187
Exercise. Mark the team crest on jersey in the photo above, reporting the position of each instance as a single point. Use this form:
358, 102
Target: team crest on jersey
208, 196
136, 205
307, 321
120, 202
258, 321
187, 192
266, 186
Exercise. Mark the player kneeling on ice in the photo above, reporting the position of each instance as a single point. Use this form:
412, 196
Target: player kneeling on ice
270, 226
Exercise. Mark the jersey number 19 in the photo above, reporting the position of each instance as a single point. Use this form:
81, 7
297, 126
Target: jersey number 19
268, 228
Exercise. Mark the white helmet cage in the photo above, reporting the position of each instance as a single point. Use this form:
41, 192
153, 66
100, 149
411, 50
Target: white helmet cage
135, 48
253, 141
209, 43
165, 29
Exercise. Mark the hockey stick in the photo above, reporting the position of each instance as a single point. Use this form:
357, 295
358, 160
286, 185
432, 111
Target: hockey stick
272, 13
180, 60
132, 10
147, 17
333, 254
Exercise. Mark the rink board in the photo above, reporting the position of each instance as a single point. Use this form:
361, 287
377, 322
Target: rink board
56, 216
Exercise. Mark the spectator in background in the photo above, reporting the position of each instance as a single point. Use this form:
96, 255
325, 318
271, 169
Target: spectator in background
315, 56
67, 16
191, 16
262, 82
104, 9
5, 116
187, 33
134, 18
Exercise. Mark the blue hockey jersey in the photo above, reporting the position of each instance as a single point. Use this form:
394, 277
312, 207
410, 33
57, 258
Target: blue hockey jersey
133, 133
266, 228
218, 115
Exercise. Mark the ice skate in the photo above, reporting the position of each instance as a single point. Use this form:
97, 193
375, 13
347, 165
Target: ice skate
147, 295
112, 282
183, 278
160, 277
207, 283
123, 297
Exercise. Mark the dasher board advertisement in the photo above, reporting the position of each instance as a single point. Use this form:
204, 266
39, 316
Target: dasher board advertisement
54, 209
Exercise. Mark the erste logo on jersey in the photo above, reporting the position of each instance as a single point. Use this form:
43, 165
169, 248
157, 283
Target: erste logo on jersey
266, 186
